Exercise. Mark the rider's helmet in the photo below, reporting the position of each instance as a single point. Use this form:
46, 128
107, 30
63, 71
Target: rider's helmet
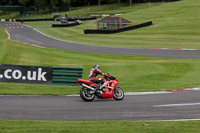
96, 66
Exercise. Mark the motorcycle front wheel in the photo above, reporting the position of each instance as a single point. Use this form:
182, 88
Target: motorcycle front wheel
86, 94
118, 93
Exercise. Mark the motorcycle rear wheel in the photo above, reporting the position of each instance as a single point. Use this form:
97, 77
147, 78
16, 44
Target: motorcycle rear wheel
86, 95
118, 93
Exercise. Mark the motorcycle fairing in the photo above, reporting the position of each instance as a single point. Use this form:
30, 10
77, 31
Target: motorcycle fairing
109, 89
85, 81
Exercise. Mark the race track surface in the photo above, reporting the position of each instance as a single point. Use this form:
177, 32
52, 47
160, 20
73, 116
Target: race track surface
173, 106
31, 36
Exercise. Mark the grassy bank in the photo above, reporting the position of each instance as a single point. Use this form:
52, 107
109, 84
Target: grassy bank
133, 73
176, 25
99, 127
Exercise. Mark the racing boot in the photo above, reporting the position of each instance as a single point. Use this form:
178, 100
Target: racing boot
98, 86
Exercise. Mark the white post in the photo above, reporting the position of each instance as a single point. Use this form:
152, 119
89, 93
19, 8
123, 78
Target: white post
88, 6
99, 2
130, 3
149, 3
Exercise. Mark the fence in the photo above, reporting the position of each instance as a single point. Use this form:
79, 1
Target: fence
48, 19
52, 19
66, 75
66, 25
118, 30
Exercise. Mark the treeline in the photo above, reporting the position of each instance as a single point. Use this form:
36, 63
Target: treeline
59, 5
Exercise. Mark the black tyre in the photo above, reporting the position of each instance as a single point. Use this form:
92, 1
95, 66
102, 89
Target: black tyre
86, 95
118, 93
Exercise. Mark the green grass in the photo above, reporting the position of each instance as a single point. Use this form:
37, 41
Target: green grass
35, 89
133, 73
176, 25
98, 127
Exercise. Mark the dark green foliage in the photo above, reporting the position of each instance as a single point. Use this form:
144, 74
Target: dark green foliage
60, 5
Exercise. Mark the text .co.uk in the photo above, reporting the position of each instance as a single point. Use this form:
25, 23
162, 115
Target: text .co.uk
37, 75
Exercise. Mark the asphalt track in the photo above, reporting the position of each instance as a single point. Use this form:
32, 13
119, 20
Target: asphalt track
173, 106
31, 36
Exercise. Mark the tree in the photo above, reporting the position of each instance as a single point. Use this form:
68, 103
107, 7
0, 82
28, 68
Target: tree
130, 3
45, 6
99, 3
66, 4
115, 3
23, 2
41, 5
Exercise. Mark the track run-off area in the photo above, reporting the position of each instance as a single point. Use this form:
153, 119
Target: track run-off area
150, 106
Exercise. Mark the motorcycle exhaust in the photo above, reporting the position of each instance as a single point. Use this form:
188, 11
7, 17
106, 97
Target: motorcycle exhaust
89, 87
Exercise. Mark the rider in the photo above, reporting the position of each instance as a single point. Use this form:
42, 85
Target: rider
94, 72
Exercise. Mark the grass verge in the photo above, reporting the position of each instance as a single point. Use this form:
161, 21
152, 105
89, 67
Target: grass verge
99, 127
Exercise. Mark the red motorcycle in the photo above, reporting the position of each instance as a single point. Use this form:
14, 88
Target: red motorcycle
108, 89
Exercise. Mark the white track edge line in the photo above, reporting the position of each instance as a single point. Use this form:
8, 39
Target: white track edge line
179, 120
8, 34
177, 105
149, 93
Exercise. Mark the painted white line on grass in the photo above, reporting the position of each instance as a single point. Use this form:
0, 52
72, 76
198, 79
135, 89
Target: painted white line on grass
73, 95
37, 45
8, 34
41, 32
177, 105
28, 26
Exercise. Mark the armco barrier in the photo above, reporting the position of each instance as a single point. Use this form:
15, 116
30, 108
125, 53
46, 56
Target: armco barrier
118, 30
40, 74
66, 75
81, 18
52, 19
41, 19
65, 25
47, 19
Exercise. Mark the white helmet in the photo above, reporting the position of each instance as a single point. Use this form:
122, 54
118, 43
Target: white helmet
96, 66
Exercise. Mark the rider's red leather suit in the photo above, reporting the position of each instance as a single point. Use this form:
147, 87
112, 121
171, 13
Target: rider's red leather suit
93, 76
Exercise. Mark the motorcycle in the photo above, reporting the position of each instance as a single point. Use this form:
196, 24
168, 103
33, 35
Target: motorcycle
109, 89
